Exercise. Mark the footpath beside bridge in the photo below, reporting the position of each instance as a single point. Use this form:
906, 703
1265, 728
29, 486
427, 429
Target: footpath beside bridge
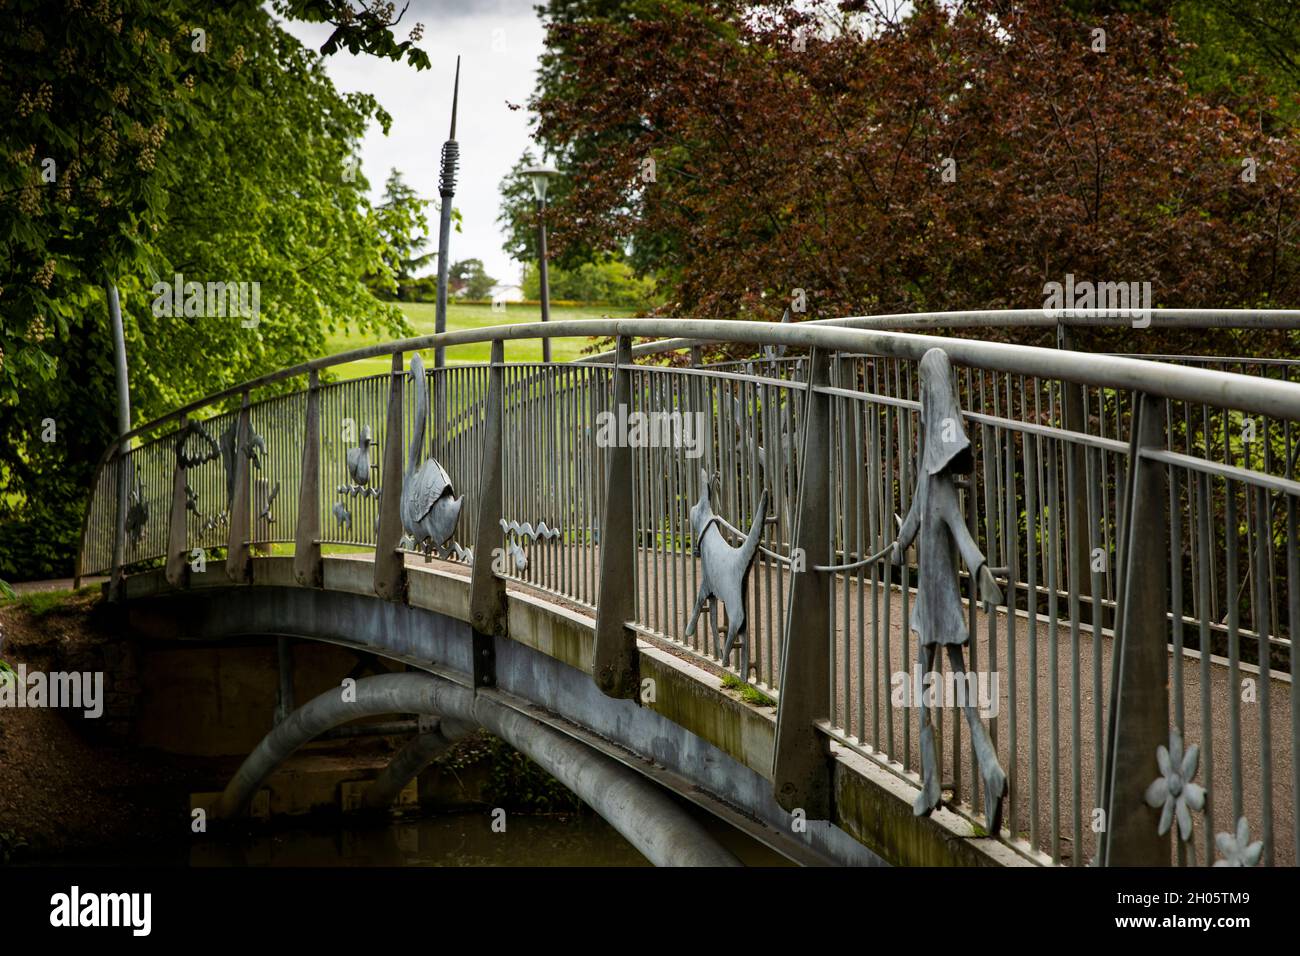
1138, 519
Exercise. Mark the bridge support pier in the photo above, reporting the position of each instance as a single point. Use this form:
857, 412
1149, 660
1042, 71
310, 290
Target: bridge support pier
801, 771
487, 592
237, 564
307, 568
647, 817
177, 568
390, 563
1139, 709
615, 662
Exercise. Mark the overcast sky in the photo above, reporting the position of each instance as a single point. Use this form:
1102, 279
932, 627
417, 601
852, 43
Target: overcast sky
499, 42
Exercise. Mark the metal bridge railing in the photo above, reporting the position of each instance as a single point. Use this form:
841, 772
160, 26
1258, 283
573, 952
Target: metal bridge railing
1140, 517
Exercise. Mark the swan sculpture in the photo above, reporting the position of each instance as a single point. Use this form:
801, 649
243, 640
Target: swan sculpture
429, 509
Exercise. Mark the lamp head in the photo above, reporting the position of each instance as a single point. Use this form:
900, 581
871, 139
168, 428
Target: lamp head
541, 177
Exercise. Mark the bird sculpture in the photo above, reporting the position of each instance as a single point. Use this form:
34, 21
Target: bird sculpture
359, 466
430, 510
342, 515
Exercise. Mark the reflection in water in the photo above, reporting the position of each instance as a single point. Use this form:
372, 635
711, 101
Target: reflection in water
457, 839
462, 839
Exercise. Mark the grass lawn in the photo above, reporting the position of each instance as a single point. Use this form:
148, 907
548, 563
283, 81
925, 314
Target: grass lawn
421, 317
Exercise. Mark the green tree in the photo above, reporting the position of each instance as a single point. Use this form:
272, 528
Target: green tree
468, 278
210, 145
404, 229
362, 27
565, 70
608, 281
1244, 54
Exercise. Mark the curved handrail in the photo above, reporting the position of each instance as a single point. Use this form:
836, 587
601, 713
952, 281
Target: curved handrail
848, 333
1023, 318
1179, 382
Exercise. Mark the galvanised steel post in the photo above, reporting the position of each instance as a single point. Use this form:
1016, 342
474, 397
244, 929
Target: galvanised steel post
1139, 706
123, 426
487, 594
307, 567
238, 566
177, 568
615, 664
390, 563
801, 776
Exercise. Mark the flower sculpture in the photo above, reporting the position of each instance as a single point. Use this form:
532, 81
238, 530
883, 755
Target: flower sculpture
1237, 849
1173, 790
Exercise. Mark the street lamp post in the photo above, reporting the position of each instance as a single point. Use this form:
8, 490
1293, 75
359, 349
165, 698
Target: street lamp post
541, 177
447, 191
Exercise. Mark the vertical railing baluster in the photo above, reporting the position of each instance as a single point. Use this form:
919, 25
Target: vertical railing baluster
390, 562
1139, 711
614, 662
307, 567
800, 771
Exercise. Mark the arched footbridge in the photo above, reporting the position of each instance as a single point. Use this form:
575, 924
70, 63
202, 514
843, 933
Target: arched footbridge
653, 574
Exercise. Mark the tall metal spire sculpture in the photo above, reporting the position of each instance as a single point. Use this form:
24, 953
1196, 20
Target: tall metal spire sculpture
447, 190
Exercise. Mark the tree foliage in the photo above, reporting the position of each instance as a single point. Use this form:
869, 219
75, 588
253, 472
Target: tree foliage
806, 146
207, 144
468, 278
608, 281
361, 26
403, 226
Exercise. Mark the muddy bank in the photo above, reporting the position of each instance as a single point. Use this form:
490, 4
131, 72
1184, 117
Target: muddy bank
67, 782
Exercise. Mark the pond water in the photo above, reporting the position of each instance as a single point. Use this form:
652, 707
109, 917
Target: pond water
458, 839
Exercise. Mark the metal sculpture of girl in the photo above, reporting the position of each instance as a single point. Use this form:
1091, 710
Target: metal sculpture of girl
938, 618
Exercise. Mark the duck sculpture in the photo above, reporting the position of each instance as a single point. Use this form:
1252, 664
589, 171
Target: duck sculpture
429, 509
